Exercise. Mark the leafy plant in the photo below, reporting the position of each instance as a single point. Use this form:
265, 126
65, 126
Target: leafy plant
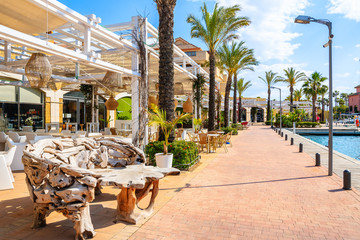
29, 121
197, 124
106, 121
184, 152
158, 117
233, 131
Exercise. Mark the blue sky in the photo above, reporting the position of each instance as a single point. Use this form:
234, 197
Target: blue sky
278, 42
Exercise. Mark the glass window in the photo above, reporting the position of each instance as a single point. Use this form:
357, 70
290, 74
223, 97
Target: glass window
7, 93
191, 54
10, 111
34, 111
30, 95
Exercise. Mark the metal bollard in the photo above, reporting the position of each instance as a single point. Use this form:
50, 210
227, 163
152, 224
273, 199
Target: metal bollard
300, 147
317, 159
276, 130
347, 180
292, 141
285, 137
282, 134
279, 132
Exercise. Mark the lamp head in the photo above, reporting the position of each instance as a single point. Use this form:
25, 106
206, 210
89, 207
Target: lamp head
302, 19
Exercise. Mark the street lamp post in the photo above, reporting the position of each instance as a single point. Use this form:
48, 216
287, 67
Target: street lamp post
280, 105
306, 20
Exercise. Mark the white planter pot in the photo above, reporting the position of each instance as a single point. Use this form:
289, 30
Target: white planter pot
107, 131
164, 161
27, 128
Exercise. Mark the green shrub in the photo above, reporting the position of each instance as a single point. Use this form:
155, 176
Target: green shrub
268, 122
185, 153
307, 124
233, 131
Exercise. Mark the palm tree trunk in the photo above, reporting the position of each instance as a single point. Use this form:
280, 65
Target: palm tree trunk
268, 106
211, 123
314, 109
240, 109
234, 99
166, 65
227, 96
322, 109
291, 98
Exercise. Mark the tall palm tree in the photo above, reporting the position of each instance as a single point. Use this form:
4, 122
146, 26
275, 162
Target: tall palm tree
166, 66
232, 59
313, 87
242, 86
345, 96
270, 79
336, 93
322, 91
246, 61
213, 29
291, 78
298, 94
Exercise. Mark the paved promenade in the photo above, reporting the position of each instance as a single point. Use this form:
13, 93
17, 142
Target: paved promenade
261, 189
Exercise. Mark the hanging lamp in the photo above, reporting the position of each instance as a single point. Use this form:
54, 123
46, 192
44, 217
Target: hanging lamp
178, 89
111, 103
187, 106
38, 70
112, 79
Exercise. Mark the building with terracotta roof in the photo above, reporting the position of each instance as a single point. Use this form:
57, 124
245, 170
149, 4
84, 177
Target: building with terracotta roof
354, 100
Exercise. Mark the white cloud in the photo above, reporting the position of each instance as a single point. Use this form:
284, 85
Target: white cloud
349, 8
337, 46
358, 72
268, 32
356, 59
357, 45
342, 75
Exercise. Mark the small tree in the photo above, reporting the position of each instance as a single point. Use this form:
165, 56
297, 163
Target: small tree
158, 117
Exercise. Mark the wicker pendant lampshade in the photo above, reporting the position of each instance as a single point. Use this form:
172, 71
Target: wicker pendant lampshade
112, 79
152, 100
111, 103
187, 106
38, 70
178, 89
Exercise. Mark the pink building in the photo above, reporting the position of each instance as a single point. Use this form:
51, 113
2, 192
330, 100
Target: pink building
354, 101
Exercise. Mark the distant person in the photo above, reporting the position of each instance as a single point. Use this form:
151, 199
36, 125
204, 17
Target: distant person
357, 122
317, 118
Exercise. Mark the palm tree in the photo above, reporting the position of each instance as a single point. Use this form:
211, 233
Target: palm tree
322, 91
242, 86
245, 61
291, 78
298, 93
313, 87
214, 29
336, 93
345, 96
270, 80
232, 59
166, 66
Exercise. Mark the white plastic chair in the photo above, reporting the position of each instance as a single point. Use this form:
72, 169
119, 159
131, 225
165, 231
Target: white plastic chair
6, 158
3, 139
16, 138
17, 163
40, 130
66, 132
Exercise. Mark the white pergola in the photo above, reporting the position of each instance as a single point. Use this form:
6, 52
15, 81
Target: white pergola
81, 50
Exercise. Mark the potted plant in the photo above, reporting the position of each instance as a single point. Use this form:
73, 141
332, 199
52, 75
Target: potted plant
158, 117
28, 125
197, 124
107, 125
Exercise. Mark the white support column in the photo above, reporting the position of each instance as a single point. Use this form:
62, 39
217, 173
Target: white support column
248, 114
135, 93
184, 63
7, 51
87, 40
265, 114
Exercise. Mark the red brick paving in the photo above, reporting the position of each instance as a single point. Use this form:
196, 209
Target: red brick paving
261, 189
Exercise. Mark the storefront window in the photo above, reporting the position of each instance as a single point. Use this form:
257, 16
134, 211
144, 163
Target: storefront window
10, 112
31, 110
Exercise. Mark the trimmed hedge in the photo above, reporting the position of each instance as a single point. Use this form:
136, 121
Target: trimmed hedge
307, 124
268, 123
233, 131
185, 153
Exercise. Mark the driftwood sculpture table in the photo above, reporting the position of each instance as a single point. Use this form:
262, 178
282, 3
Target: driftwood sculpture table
135, 182
63, 174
